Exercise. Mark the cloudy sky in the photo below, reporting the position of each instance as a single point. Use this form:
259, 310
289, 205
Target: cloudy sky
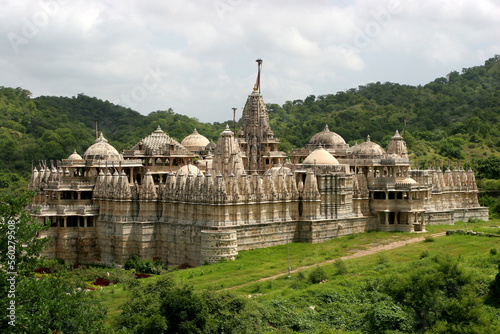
198, 56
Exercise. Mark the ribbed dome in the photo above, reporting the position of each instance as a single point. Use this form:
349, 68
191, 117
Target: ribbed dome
408, 180
326, 138
368, 148
320, 156
75, 156
195, 139
101, 150
188, 169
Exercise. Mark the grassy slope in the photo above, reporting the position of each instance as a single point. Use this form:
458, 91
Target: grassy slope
261, 263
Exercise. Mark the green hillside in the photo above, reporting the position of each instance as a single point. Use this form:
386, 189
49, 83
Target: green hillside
452, 118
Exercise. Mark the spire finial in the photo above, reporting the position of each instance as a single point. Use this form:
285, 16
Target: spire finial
257, 83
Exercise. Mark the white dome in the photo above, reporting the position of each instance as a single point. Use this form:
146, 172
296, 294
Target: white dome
326, 138
75, 156
195, 140
368, 148
320, 156
408, 180
101, 150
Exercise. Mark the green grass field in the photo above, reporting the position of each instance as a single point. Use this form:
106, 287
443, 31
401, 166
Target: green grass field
250, 266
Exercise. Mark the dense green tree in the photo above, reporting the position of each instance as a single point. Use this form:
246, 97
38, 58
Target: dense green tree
489, 168
20, 246
33, 305
494, 293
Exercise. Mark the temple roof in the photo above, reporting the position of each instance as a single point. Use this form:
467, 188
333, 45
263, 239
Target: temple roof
101, 150
75, 156
368, 148
157, 140
320, 156
326, 138
195, 139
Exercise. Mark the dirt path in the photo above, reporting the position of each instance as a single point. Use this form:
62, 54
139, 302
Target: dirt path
369, 251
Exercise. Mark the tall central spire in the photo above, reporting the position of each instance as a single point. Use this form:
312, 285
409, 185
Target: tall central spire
255, 137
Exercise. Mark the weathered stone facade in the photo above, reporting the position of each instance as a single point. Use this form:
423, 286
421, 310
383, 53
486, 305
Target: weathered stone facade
151, 201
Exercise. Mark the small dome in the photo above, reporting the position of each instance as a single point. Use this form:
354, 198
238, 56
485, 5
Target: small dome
368, 148
75, 156
408, 180
210, 146
227, 132
397, 135
101, 150
195, 139
326, 138
320, 156
188, 169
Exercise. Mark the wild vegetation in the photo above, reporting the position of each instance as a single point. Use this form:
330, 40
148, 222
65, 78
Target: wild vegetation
440, 284
32, 304
448, 285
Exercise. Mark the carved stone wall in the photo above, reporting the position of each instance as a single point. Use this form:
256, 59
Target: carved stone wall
217, 245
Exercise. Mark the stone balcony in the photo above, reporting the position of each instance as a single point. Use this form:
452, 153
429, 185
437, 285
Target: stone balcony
80, 185
393, 205
65, 210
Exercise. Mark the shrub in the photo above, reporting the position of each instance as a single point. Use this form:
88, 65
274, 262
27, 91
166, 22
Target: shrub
317, 275
387, 316
340, 267
474, 220
382, 262
145, 266
429, 239
300, 276
424, 254
494, 295
382, 258
493, 251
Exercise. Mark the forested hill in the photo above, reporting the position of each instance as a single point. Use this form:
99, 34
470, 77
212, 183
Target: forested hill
456, 116
453, 117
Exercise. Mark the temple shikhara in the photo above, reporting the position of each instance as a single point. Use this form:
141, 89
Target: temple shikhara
197, 201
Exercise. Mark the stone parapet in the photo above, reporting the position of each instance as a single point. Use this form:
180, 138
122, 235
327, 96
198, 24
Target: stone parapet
65, 210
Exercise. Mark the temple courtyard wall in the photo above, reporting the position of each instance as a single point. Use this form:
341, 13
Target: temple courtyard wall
112, 242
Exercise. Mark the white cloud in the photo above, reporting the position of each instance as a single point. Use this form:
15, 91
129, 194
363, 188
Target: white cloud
205, 50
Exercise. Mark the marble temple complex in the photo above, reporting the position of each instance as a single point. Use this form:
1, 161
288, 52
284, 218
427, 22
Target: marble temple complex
197, 201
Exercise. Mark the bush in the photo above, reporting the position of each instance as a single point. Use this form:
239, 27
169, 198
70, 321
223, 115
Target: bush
494, 295
317, 275
429, 239
493, 251
474, 220
145, 266
387, 316
340, 267
383, 262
